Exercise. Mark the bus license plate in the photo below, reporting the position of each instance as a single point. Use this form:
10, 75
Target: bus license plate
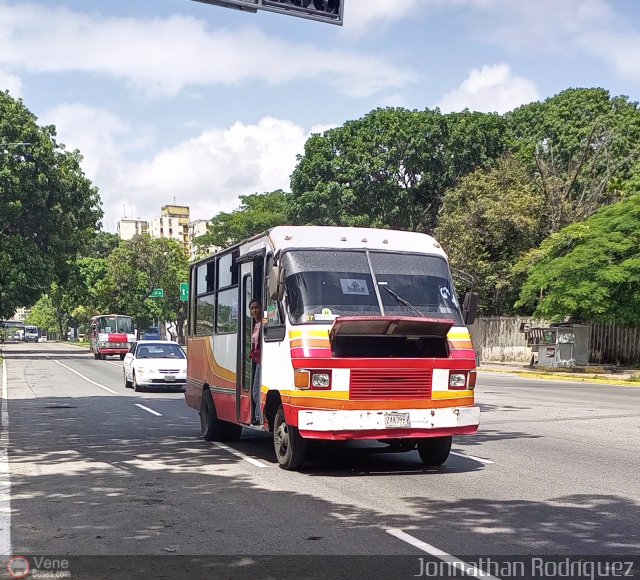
169, 379
392, 420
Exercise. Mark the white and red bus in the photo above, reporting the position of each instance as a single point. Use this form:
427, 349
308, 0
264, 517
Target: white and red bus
362, 337
111, 335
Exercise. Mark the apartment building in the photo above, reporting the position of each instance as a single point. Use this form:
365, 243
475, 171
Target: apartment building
198, 228
172, 223
128, 227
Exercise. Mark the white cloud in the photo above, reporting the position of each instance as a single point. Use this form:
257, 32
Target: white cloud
490, 89
207, 172
156, 56
11, 83
620, 50
360, 16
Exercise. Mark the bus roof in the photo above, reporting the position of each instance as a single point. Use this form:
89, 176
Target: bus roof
289, 237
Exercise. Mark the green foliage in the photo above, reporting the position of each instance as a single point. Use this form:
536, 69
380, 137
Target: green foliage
579, 144
486, 223
101, 245
43, 314
391, 168
256, 214
48, 209
589, 270
135, 269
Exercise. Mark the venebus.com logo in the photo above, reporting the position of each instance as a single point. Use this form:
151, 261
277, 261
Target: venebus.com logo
38, 567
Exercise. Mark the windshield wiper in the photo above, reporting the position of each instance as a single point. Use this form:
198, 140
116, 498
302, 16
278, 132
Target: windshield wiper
400, 299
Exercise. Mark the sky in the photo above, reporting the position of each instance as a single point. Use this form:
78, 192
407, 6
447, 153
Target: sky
177, 101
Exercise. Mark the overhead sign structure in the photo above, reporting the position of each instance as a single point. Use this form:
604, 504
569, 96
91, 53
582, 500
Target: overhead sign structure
322, 10
157, 293
184, 292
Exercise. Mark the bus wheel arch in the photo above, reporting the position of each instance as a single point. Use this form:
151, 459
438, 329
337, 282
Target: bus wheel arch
213, 428
271, 408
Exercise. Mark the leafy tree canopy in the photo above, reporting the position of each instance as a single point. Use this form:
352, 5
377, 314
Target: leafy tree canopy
48, 209
136, 268
256, 214
589, 270
391, 168
578, 143
486, 224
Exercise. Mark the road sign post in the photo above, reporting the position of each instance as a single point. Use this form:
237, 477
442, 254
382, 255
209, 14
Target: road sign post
184, 292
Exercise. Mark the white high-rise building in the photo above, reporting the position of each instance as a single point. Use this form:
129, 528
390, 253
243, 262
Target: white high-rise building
198, 228
129, 227
173, 223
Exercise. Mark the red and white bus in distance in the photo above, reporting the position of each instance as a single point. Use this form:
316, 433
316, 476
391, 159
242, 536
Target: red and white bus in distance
111, 335
362, 337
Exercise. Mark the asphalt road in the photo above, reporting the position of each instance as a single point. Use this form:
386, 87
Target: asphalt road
96, 469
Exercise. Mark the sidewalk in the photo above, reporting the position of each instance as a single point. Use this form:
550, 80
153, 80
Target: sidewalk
589, 373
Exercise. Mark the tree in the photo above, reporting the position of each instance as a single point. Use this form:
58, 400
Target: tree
256, 214
589, 270
43, 315
48, 209
101, 245
391, 168
139, 266
577, 143
486, 224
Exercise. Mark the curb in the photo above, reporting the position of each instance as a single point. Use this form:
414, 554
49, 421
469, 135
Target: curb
563, 377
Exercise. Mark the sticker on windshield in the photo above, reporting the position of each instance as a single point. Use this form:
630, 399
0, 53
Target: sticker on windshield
353, 286
444, 292
326, 314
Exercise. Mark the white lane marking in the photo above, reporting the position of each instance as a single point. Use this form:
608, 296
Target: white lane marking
149, 410
5, 476
85, 378
109, 362
478, 459
239, 454
455, 563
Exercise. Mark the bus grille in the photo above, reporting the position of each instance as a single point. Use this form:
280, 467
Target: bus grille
384, 384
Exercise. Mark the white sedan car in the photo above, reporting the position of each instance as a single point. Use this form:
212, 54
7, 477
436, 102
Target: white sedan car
155, 364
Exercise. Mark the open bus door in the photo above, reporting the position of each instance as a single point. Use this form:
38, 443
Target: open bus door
251, 274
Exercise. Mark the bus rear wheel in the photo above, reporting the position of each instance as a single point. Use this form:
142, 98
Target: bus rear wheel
434, 451
214, 429
290, 446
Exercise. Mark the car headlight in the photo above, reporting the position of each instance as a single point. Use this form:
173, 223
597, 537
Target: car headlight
143, 370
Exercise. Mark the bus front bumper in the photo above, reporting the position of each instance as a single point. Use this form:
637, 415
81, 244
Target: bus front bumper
387, 424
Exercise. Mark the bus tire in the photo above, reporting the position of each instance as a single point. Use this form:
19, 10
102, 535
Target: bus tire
212, 428
103, 356
96, 356
434, 451
290, 446
122, 357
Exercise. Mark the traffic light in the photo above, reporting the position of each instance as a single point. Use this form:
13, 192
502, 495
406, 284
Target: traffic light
322, 10
325, 10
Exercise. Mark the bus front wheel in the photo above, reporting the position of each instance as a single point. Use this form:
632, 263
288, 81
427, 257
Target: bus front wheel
434, 451
290, 447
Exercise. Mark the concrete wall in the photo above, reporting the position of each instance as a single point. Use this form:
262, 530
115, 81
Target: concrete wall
500, 340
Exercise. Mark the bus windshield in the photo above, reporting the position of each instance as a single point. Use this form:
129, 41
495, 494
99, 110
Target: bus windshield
324, 284
121, 324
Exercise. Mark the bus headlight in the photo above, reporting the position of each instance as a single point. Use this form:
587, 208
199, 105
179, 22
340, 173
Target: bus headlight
321, 380
457, 381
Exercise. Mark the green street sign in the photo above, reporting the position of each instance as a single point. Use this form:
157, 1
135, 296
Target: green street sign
157, 293
184, 291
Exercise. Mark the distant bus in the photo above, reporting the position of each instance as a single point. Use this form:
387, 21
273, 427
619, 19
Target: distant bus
111, 335
31, 334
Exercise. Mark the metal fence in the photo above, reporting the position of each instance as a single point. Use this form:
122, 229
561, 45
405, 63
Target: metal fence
499, 339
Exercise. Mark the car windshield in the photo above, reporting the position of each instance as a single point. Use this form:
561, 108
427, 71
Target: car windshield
324, 284
172, 351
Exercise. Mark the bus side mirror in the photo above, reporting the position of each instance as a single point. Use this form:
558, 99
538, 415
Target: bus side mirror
470, 307
276, 283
